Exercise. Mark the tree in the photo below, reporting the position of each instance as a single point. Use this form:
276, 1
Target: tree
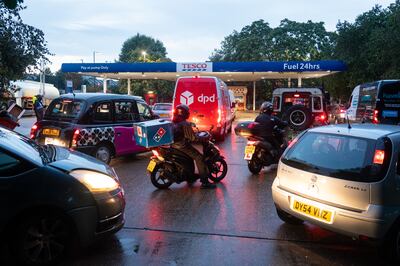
21, 46
133, 48
132, 51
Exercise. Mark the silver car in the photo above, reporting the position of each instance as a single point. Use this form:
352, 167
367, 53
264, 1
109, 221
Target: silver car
163, 110
345, 179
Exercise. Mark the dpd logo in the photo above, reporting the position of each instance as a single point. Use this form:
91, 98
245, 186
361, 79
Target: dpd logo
205, 99
187, 98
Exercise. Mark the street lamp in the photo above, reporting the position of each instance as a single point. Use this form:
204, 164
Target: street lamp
94, 56
144, 56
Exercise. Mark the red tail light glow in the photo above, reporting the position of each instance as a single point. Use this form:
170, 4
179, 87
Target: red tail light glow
375, 119
379, 156
252, 125
75, 137
296, 95
219, 116
155, 153
251, 142
33, 131
322, 117
342, 111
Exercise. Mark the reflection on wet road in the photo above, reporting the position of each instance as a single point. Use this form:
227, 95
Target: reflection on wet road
235, 224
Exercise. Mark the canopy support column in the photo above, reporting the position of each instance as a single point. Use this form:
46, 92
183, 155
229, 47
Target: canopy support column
105, 85
254, 95
289, 82
129, 87
299, 82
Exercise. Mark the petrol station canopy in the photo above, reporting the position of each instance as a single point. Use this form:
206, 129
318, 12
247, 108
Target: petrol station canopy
227, 71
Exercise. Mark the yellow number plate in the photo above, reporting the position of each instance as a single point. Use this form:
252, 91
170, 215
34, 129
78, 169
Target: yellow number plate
249, 151
312, 211
51, 132
151, 166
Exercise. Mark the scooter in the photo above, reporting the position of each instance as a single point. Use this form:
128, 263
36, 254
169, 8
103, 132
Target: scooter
259, 152
169, 165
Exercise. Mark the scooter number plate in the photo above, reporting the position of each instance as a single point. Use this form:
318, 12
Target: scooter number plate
249, 151
151, 166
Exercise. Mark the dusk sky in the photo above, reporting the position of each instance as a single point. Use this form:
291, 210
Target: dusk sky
190, 30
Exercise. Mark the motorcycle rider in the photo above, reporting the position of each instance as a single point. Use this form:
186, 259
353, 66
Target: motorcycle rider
267, 123
183, 137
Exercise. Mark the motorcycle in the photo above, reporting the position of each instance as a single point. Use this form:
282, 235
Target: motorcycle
259, 152
169, 165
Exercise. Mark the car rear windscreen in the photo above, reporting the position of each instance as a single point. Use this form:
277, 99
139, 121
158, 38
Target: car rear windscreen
295, 98
163, 107
337, 156
65, 109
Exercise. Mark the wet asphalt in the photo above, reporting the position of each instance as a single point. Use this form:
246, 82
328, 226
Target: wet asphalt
235, 224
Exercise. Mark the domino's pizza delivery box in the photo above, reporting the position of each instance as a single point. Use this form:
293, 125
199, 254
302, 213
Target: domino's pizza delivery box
154, 133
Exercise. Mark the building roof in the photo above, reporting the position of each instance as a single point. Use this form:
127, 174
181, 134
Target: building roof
227, 71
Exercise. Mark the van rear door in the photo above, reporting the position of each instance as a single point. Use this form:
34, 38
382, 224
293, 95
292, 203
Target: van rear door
201, 95
388, 107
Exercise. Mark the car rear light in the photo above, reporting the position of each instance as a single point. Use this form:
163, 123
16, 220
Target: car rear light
75, 137
379, 156
34, 131
296, 95
322, 117
342, 111
375, 119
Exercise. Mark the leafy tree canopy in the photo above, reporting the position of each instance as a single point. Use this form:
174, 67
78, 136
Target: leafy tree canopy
133, 47
291, 40
21, 45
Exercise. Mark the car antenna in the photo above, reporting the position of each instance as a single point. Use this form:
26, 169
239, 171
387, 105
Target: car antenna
348, 122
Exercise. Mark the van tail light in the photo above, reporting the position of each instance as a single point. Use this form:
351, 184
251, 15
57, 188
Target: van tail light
322, 117
219, 116
75, 137
375, 119
34, 130
379, 156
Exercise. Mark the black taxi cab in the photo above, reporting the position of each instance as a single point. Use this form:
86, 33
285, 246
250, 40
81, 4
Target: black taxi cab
97, 124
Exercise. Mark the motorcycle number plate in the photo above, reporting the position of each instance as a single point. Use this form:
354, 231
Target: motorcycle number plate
151, 166
249, 151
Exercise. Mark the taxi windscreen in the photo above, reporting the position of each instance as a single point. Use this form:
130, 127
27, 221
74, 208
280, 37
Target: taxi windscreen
65, 109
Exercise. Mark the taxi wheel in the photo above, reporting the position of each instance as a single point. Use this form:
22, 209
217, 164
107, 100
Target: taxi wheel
42, 239
287, 218
103, 153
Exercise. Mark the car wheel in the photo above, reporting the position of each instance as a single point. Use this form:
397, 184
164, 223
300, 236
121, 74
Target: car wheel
391, 247
41, 239
103, 153
287, 218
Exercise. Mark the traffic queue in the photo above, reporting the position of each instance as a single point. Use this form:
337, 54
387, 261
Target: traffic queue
341, 177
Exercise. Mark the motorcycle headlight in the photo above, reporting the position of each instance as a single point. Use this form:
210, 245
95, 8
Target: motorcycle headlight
94, 181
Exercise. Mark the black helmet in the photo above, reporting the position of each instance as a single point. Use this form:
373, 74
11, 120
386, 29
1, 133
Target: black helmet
181, 112
266, 107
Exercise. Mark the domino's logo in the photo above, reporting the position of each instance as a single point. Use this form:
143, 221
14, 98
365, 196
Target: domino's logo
187, 98
159, 134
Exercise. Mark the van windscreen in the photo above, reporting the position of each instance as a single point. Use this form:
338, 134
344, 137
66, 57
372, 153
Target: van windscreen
337, 156
390, 94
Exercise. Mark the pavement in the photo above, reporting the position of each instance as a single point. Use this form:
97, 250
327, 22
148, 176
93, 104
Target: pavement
235, 224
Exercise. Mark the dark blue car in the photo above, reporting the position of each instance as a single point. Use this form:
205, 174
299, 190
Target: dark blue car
51, 197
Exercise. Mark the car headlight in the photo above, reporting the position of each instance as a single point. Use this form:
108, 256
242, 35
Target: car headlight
95, 181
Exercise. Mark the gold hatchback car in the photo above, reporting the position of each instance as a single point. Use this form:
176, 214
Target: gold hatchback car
345, 178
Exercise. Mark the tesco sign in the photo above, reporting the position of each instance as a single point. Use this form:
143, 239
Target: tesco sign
194, 67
